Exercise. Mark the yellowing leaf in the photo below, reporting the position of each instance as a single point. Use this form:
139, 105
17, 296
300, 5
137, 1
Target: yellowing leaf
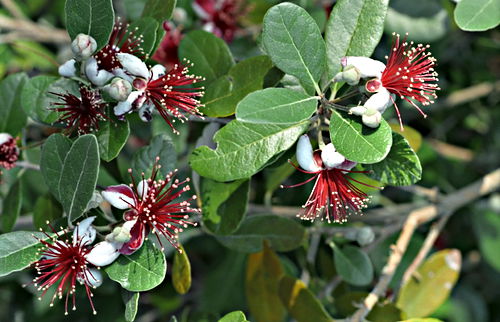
431, 284
264, 271
181, 272
411, 135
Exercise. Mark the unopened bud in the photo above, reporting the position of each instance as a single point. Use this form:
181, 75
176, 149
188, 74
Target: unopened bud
119, 89
372, 118
351, 75
365, 236
179, 15
83, 46
357, 110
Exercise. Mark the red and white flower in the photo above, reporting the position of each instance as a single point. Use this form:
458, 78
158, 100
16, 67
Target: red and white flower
153, 205
334, 196
409, 74
220, 17
9, 152
166, 54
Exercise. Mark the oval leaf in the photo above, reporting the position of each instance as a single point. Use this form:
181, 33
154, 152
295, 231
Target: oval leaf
143, 270
79, 176
147, 27
54, 152
431, 285
181, 271
357, 142
12, 116
486, 225
18, 250
91, 17
35, 99
283, 234
111, 137
161, 146
276, 106
401, 167
477, 15
243, 149
353, 265
236, 316
293, 41
131, 300
12, 206
354, 29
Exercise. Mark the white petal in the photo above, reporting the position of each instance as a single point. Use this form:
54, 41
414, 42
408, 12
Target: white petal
305, 155
127, 106
357, 110
367, 67
85, 231
93, 278
200, 11
142, 188
330, 157
158, 71
133, 65
104, 253
4, 137
146, 112
120, 196
121, 73
379, 101
67, 69
96, 76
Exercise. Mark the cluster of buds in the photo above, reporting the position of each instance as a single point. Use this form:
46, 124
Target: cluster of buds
9, 152
409, 74
118, 74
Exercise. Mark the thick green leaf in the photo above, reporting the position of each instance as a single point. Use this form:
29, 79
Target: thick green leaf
143, 270
46, 209
131, 300
181, 272
300, 301
236, 316
354, 29
263, 274
18, 250
283, 234
12, 116
223, 94
276, 106
161, 146
91, 17
357, 142
401, 167
432, 284
293, 40
244, 148
147, 27
12, 206
111, 137
487, 228
79, 176
54, 152
209, 54
477, 15
353, 265
35, 98
224, 204
161, 10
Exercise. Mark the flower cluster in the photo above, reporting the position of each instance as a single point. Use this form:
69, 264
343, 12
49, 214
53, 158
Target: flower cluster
220, 17
118, 73
409, 74
334, 196
9, 152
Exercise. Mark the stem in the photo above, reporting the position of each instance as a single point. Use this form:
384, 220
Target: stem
28, 165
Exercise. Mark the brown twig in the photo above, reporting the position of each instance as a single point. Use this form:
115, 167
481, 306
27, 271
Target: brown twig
26, 29
13, 9
449, 204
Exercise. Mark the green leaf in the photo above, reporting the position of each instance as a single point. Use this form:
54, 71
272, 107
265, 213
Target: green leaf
54, 152
18, 250
147, 27
209, 54
181, 271
357, 142
353, 265
431, 285
161, 10
354, 29
346, 305
486, 225
142, 271
293, 40
276, 106
91, 17
12, 206
244, 148
35, 98
401, 167
12, 116
161, 146
79, 176
263, 274
283, 234
300, 301
223, 94
46, 209
111, 137
477, 15
236, 316
224, 204
131, 300
411, 135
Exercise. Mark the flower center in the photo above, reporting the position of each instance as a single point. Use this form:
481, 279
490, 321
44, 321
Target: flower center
140, 83
373, 85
